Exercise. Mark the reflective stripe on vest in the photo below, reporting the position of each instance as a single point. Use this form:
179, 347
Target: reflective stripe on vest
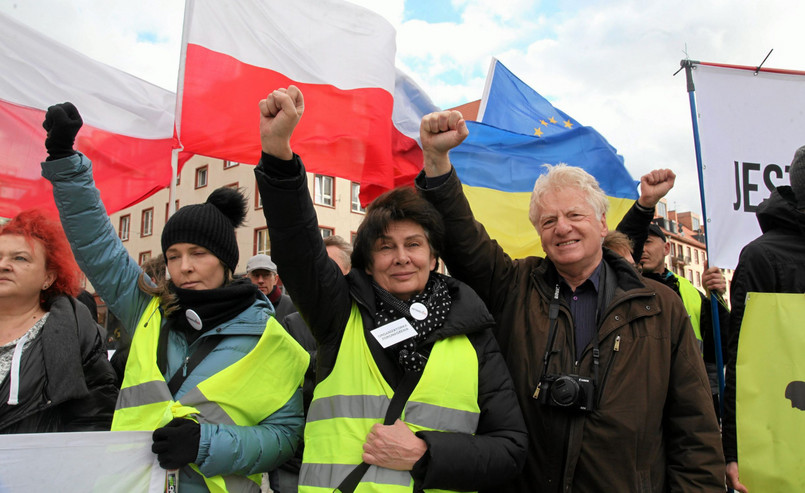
355, 396
267, 377
692, 299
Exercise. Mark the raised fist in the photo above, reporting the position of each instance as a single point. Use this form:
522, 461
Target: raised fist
62, 123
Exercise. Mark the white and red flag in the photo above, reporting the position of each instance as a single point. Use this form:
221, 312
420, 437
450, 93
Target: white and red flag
128, 123
342, 58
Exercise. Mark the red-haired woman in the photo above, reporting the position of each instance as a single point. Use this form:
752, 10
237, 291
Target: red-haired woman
54, 371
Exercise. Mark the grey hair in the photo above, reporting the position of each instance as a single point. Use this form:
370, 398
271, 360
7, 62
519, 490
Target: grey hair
563, 176
343, 246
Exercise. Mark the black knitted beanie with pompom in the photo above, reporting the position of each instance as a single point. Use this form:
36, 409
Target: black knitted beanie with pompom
210, 225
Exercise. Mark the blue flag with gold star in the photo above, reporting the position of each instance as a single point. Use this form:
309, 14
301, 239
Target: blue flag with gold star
512, 105
503, 156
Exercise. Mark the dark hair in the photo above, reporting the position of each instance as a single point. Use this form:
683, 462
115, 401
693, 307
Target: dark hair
33, 225
87, 299
399, 204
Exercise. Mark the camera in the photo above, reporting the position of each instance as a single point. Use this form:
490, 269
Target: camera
571, 392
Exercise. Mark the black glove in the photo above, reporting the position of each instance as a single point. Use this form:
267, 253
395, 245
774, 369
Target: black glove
176, 443
62, 122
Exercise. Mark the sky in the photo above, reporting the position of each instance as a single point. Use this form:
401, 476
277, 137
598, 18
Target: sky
608, 64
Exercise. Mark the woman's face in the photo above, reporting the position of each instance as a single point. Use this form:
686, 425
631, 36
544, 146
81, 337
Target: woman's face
23, 274
402, 259
194, 267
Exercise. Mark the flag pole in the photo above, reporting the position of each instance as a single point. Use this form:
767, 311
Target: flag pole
689, 66
177, 117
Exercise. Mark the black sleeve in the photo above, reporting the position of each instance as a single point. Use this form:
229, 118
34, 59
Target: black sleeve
314, 281
496, 452
754, 273
299, 330
635, 225
93, 412
707, 328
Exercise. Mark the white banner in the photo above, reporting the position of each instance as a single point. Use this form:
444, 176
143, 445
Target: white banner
749, 127
80, 462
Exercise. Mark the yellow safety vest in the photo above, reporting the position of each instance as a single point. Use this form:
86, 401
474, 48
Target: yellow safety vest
769, 407
355, 396
692, 299
244, 393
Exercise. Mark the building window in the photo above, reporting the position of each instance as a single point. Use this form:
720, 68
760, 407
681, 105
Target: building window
147, 222
325, 232
662, 210
673, 249
354, 235
323, 190
258, 200
687, 249
167, 209
144, 256
695, 223
230, 164
261, 241
123, 229
690, 275
356, 201
201, 177
178, 179
698, 279
696, 256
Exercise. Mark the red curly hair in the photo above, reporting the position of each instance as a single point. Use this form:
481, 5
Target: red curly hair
33, 225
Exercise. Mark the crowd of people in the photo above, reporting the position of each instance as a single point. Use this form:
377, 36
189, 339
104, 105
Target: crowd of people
589, 369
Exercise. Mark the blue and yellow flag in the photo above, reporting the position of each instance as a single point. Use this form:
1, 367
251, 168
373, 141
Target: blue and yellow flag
503, 156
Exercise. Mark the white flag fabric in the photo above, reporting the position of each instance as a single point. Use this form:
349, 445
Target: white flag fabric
128, 123
80, 462
749, 127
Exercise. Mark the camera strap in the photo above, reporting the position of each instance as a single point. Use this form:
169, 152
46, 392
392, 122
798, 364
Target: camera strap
553, 314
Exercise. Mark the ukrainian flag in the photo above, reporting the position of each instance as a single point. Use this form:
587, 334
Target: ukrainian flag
502, 157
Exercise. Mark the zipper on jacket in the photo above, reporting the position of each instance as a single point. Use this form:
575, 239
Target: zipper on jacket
616, 347
184, 366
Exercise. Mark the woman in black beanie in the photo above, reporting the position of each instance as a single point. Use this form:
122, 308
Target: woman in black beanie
210, 369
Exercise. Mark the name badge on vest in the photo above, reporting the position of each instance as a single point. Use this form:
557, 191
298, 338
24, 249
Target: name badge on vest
394, 332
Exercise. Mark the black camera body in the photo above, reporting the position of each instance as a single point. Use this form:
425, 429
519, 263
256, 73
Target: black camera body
571, 392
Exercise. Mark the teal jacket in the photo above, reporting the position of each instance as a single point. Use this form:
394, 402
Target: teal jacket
223, 449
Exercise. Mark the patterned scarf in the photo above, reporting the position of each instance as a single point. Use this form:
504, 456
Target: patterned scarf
435, 298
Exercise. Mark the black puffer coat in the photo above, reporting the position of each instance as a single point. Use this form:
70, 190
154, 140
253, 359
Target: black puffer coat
66, 381
772, 263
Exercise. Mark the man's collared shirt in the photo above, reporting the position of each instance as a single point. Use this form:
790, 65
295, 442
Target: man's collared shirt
584, 308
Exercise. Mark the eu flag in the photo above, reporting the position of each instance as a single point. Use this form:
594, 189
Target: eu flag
502, 157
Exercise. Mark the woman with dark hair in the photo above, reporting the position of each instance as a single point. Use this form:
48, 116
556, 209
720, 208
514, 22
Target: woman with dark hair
54, 374
209, 368
412, 390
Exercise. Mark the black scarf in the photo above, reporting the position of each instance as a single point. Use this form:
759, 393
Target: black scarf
213, 306
435, 297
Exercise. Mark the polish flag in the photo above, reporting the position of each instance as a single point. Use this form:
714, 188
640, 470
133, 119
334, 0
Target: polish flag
339, 54
128, 123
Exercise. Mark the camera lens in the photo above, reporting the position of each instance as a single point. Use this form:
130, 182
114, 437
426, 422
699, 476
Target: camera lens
564, 391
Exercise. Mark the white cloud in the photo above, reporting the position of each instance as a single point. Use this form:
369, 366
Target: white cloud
608, 63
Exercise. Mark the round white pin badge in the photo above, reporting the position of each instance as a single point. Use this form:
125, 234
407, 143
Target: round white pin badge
419, 311
193, 319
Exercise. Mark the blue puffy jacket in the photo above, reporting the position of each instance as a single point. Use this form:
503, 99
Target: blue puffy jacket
223, 449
